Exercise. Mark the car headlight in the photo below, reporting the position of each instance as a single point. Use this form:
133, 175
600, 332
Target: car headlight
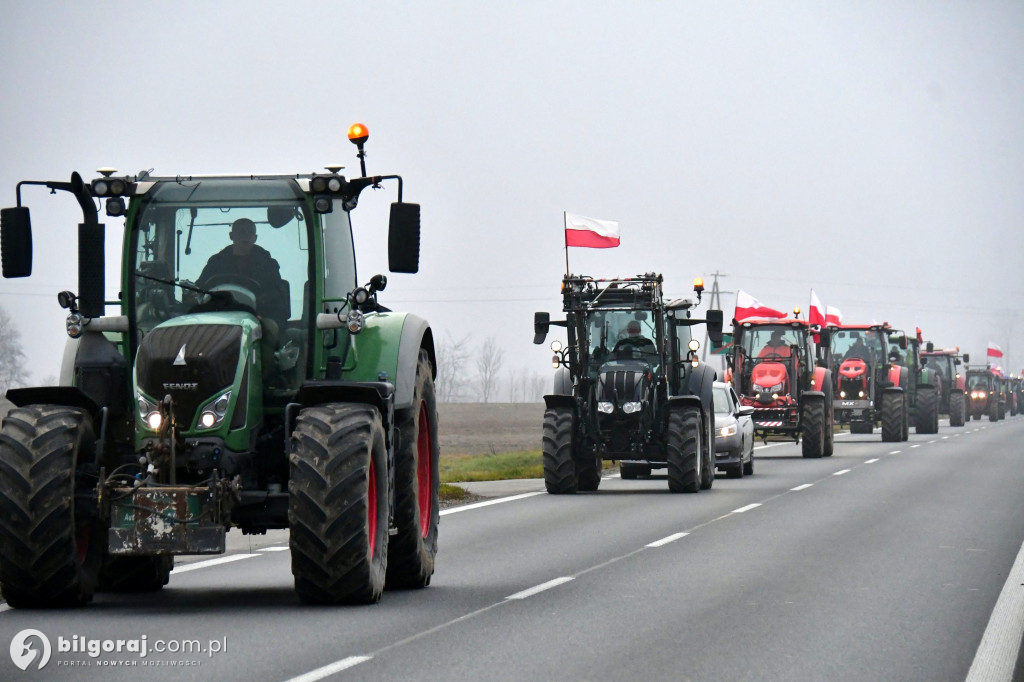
631, 407
727, 431
212, 414
605, 407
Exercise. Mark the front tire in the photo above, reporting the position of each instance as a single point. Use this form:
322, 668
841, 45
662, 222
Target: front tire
338, 504
956, 409
412, 550
927, 415
813, 422
588, 473
559, 467
683, 451
51, 544
892, 417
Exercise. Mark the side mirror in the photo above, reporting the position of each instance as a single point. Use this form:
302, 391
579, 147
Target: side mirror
967, 358
404, 238
929, 347
541, 323
714, 322
746, 410
16, 242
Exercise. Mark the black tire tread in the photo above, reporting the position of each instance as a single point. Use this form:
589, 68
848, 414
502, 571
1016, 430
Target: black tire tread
682, 444
556, 448
813, 423
892, 417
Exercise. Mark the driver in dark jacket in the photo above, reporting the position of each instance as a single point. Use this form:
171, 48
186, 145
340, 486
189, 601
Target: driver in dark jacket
244, 260
248, 261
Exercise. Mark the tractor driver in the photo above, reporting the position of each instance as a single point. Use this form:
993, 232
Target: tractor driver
859, 349
635, 340
247, 261
776, 346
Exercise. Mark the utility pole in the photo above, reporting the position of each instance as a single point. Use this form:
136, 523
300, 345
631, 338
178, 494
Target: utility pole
715, 304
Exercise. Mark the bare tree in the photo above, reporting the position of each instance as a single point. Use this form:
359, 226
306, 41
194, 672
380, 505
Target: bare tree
516, 386
488, 363
452, 359
539, 385
12, 359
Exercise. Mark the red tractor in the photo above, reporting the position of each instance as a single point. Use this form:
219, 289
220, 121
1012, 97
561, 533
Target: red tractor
953, 400
778, 370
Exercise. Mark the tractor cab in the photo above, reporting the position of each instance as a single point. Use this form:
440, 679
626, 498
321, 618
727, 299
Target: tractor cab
770, 356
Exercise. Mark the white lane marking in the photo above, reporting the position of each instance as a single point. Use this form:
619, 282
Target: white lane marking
184, 568
945, 437
895, 452
540, 588
665, 541
932, 441
330, 669
805, 486
871, 461
1000, 645
841, 472
746, 509
915, 446
488, 503
281, 548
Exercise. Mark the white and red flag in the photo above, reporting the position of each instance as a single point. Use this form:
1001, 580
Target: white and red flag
748, 306
815, 312
833, 315
590, 232
994, 351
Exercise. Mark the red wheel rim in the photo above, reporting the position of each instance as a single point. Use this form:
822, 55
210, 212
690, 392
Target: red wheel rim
371, 512
424, 470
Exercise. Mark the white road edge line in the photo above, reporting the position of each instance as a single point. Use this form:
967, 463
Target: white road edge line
185, 568
665, 541
330, 669
277, 548
841, 472
997, 654
805, 486
747, 508
871, 461
488, 503
539, 588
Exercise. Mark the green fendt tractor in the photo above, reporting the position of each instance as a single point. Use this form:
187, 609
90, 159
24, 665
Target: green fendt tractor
255, 387
629, 386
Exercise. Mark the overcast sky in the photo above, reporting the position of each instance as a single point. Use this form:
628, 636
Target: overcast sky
871, 150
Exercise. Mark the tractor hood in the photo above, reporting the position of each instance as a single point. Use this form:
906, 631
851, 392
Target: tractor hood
623, 381
193, 358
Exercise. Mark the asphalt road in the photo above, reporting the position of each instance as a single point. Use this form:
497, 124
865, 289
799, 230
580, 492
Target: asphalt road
883, 562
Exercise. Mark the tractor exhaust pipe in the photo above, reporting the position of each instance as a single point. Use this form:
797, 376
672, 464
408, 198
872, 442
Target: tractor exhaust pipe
91, 253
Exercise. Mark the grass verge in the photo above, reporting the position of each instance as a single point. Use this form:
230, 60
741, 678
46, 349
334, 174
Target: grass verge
492, 467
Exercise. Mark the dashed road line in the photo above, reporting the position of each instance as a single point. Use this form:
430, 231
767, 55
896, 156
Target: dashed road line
537, 589
841, 472
330, 669
184, 568
871, 461
895, 452
664, 541
747, 508
278, 548
805, 486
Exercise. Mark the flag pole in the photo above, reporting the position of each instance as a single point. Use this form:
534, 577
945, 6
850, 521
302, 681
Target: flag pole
565, 221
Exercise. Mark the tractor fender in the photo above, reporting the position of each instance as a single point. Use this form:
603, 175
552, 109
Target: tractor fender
893, 375
69, 396
387, 349
960, 383
699, 383
563, 382
558, 400
810, 396
821, 380
893, 389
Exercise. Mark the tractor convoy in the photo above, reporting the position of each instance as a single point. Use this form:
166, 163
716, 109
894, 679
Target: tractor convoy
260, 387
232, 389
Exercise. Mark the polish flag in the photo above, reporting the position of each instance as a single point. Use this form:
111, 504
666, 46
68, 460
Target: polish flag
591, 232
833, 316
748, 306
994, 351
815, 313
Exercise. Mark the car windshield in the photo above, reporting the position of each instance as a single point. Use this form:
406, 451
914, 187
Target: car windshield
721, 397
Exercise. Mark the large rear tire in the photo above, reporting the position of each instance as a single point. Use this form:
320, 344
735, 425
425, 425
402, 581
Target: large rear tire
813, 423
957, 409
338, 504
892, 417
927, 414
559, 467
51, 544
135, 573
412, 550
683, 450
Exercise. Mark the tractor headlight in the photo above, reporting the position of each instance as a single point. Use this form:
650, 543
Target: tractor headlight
101, 187
727, 431
981, 394
605, 407
860, 394
842, 394
354, 322
154, 420
334, 184
213, 413
115, 207
74, 325
323, 204
693, 345
149, 412
631, 407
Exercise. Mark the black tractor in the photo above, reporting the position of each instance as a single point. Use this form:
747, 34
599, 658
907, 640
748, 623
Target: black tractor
629, 386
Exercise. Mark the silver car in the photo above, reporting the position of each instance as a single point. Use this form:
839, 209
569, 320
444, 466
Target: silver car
734, 434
